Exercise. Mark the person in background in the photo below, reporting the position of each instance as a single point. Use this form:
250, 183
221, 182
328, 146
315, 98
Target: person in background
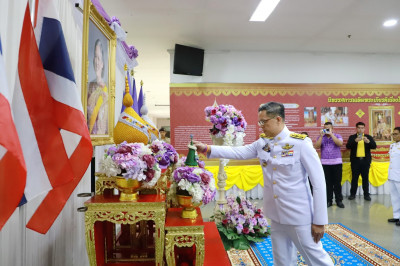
163, 134
297, 217
331, 159
360, 146
394, 176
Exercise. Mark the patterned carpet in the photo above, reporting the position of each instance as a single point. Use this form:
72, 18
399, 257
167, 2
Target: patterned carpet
345, 247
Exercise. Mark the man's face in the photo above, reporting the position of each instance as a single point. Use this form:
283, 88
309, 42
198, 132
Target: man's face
269, 125
98, 61
163, 133
360, 129
328, 127
396, 135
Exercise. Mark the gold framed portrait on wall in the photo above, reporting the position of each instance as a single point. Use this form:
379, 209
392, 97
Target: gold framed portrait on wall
98, 75
381, 123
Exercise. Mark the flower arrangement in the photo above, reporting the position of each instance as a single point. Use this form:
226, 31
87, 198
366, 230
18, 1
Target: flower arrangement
228, 123
242, 223
164, 153
195, 181
132, 161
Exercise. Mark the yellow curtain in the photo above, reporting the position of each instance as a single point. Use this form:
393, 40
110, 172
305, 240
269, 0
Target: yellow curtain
246, 177
378, 173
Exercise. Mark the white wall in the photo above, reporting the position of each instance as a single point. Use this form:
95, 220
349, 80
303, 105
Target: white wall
279, 67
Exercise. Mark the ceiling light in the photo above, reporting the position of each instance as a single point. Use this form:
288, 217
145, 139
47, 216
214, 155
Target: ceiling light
264, 9
390, 23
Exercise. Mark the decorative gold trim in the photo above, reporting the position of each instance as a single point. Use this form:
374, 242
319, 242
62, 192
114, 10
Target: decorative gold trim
371, 122
283, 89
104, 182
185, 229
184, 237
125, 213
90, 13
382, 149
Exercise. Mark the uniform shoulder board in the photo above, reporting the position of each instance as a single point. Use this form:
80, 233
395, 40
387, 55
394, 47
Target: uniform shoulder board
262, 135
298, 136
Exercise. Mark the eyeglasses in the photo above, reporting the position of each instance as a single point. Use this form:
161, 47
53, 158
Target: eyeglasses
262, 122
395, 134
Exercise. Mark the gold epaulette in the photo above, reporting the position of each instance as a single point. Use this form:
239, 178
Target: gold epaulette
262, 135
298, 136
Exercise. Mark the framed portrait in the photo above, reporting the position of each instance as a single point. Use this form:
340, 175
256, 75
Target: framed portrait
98, 75
338, 116
310, 116
381, 123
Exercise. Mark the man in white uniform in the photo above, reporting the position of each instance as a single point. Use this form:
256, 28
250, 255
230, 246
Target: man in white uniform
394, 176
287, 158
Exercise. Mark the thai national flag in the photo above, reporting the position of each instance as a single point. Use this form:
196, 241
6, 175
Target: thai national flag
50, 120
12, 164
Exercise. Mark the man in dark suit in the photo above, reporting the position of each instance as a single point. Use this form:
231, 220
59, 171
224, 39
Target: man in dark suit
360, 145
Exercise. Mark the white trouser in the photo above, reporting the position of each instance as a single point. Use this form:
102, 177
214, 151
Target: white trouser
286, 238
395, 197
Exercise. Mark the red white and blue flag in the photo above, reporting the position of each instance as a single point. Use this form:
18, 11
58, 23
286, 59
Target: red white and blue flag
51, 125
12, 164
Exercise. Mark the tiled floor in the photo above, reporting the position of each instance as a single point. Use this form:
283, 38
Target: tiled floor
368, 218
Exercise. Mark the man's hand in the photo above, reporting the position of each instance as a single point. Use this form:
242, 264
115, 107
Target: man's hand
201, 147
366, 140
317, 232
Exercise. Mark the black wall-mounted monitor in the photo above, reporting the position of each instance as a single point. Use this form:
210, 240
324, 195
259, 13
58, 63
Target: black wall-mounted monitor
188, 60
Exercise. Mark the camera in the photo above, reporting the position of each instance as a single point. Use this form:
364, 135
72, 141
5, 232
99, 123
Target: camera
326, 130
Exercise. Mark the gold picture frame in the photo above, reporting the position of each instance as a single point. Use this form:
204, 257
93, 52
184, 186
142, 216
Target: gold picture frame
381, 123
98, 75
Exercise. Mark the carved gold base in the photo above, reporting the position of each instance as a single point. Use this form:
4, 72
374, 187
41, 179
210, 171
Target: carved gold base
189, 213
129, 196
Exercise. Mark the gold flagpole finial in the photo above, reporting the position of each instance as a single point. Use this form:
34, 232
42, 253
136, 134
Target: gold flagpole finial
141, 83
127, 101
132, 72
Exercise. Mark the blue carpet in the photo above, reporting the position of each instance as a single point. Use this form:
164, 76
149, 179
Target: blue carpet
345, 247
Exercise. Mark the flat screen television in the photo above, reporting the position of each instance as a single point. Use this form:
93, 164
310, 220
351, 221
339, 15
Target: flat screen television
188, 60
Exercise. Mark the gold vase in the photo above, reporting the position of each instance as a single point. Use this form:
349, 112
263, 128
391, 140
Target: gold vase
219, 141
128, 188
189, 208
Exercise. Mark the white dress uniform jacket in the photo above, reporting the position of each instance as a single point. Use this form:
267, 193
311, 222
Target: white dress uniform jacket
394, 178
287, 160
394, 167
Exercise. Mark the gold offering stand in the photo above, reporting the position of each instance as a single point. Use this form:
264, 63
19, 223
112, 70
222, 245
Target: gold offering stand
186, 234
135, 232
104, 246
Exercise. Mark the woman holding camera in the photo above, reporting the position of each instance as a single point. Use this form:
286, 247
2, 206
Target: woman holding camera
331, 160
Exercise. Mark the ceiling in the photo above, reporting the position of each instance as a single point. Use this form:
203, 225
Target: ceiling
154, 26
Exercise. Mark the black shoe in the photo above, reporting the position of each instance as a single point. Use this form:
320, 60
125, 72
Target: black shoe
367, 198
398, 223
393, 220
340, 204
329, 204
351, 197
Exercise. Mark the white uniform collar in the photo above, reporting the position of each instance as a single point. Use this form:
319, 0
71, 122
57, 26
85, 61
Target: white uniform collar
282, 135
